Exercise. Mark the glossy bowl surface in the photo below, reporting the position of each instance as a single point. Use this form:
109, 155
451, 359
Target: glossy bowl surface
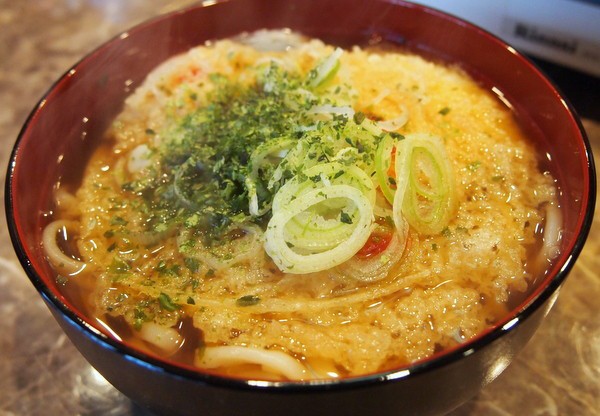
64, 127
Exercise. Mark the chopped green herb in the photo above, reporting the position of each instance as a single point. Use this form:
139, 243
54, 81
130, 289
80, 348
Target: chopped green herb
192, 221
444, 111
166, 303
473, 166
396, 136
118, 221
360, 147
248, 300
192, 264
119, 266
164, 269
389, 221
161, 227
345, 218
139, 317
61, 279
359, 117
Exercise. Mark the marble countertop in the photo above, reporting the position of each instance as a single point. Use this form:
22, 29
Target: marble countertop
41, 373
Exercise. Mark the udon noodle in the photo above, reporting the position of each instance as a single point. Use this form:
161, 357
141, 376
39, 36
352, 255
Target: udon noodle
278, 208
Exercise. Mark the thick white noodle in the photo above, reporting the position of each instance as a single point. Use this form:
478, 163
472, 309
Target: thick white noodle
62, 262
552, 232
276, 362
272, 40
394, 123
66, 203
380, 97
372, 292
165, 338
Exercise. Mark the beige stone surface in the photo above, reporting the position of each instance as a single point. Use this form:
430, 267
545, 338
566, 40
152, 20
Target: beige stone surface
41, 373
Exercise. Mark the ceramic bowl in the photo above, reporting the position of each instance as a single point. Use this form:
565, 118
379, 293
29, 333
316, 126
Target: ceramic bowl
62, 129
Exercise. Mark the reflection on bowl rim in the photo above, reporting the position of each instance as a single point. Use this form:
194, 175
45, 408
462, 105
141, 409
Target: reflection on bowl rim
546, 288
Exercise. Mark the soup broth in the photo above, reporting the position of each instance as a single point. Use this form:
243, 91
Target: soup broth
274, 207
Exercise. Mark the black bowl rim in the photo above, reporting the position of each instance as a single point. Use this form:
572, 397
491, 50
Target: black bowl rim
508, 324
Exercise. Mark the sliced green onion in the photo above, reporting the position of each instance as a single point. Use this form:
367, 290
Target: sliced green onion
424, 184
269, 153
332, 173
291, 260
319, 228
326, 70
382, 166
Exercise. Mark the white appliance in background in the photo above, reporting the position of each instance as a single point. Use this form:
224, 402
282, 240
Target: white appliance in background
566, 32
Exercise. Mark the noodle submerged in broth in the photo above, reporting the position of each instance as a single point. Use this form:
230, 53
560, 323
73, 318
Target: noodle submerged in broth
305, 212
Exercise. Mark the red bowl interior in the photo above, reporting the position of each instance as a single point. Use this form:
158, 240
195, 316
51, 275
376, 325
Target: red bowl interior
63, 129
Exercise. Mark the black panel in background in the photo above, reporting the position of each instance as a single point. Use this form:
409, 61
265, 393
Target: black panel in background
582, 90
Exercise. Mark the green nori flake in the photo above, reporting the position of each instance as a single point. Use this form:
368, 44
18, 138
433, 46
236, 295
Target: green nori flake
396, 136
462, 230
473, 166
166, 303
192, 264
61, 279
119, 266
345, 218
248, 300
116, 220
139, 317
359, 117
